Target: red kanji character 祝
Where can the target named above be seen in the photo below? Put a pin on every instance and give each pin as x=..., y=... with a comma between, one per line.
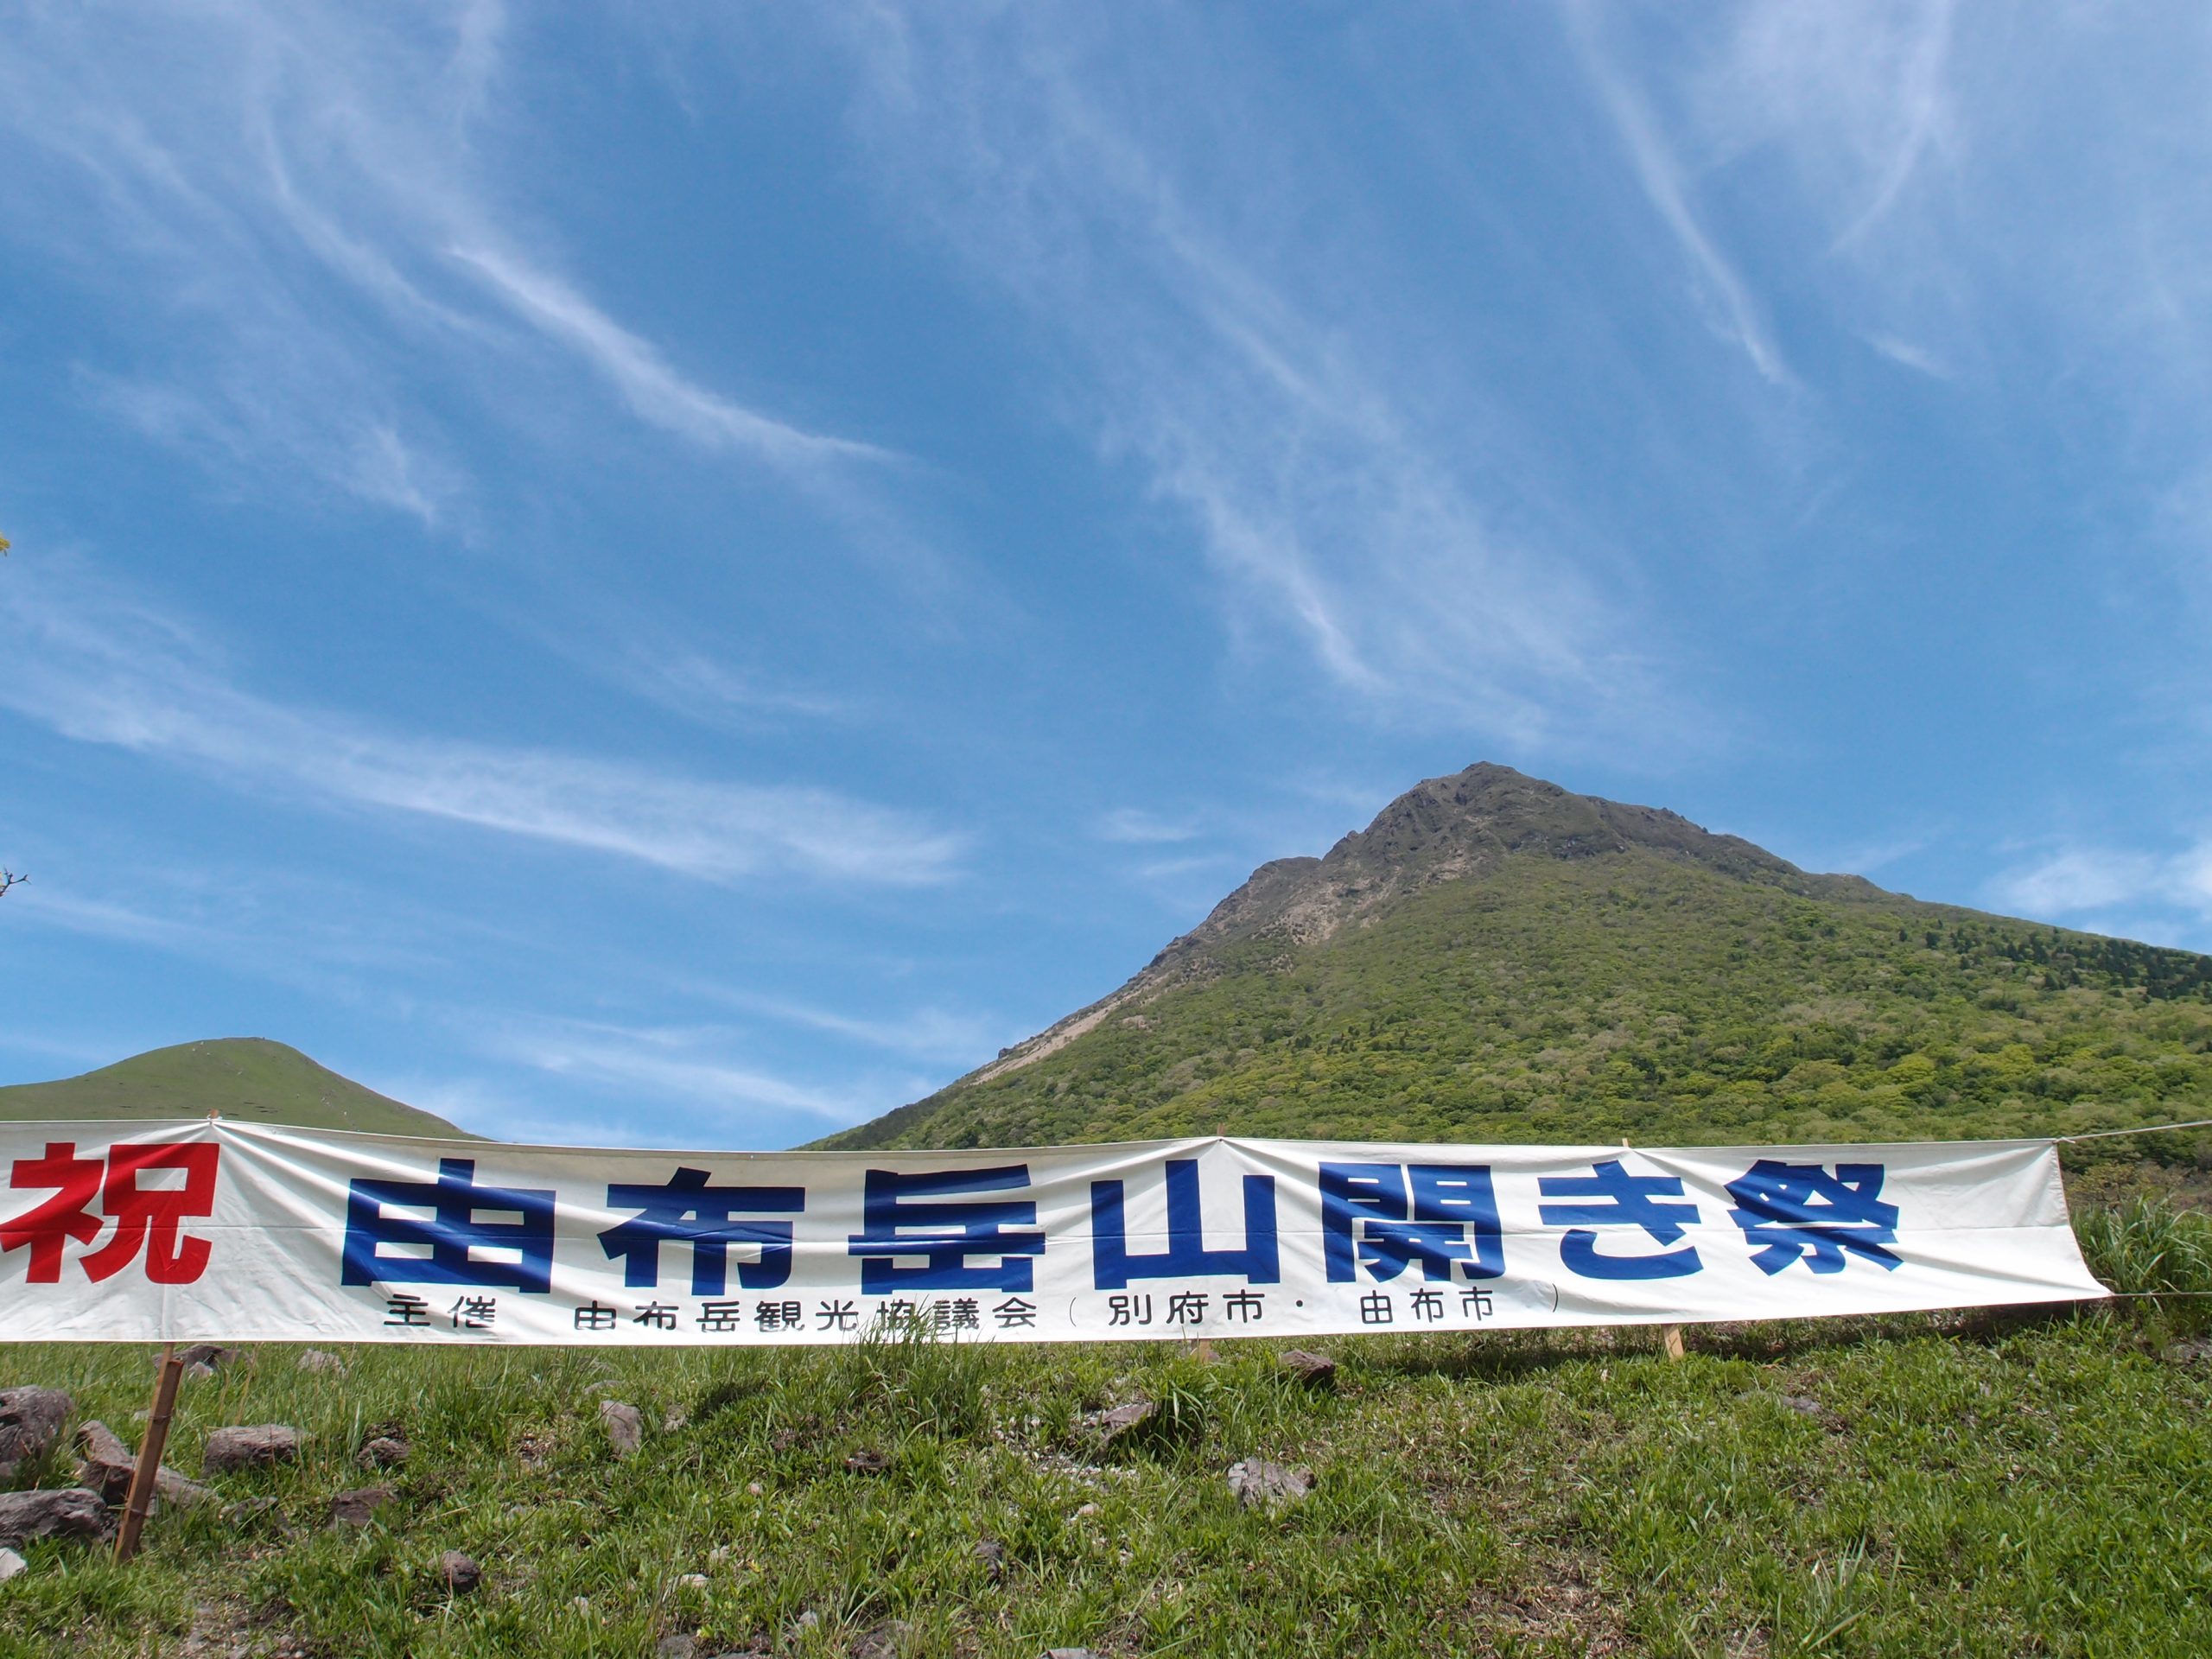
x=68, y=1214
x=150, y=1217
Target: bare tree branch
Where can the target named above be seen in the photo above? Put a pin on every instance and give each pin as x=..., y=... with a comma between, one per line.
x=10, y=879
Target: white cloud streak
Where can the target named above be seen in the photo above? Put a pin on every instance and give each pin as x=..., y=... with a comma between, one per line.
x=121, y=676
x=1661, y=173
x=930, y=1034
x=653, y=390
x=1335, y=509
x=298, y=189
x=1862, y=93
x=690, y=1068
x=1134, y=826
x=2171, y=890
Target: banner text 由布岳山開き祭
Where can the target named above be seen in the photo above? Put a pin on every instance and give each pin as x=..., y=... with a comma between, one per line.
x=214, y=1230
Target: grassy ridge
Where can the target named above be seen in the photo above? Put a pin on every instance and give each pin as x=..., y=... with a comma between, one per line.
x=1628, y=995
x=1902, y=1487
x=248, y=1078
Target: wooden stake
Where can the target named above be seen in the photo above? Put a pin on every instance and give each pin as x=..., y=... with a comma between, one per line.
x=150, y=1449
x=1672, y=1336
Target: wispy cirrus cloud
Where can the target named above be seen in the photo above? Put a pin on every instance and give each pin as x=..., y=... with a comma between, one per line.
x=936, y=1035
x=2165, y=896
x=303, y=189
x=703, y=1072
x=119, y=674
x=1863, y=94
x=654, y=391
x=1337, y=510
x=1659, y=169
x=1134, y=826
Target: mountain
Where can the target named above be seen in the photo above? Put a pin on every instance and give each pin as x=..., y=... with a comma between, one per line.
x=1497, y=959
x=246, y=1078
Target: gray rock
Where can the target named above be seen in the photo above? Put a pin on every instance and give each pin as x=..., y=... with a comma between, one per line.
x=1260, y=1484
x=1125, y=1420
x=316, y=1360
x=625, y=1429
x=358, y=1508
x=461, y=1572
x=893, y=1639
x=1316, y=1371
x=1804, y=1406
x=177, y=1492
x=678, y=1646
x=104, y=1464
x=11, y=1564
x=992, y=1554
x=71, y=1512
x=214, y=1356
x=385, y=1452
x=251, y=1445
x=30, y=1422
x=1071, y=1653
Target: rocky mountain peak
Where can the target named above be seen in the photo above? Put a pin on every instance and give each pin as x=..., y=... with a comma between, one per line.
x=1450, y=829
x=1453, y=828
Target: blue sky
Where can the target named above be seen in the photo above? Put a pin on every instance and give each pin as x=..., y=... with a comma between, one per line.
x=651, y=575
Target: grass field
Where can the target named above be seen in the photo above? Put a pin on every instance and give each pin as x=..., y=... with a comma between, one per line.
x=1966, y=1484
x=246, y=1078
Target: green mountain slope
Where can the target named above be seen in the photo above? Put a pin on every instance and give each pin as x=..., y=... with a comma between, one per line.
x=1497, y=959
x=247, y=1078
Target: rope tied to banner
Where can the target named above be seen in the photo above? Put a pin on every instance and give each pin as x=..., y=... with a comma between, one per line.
x=2147, y=1129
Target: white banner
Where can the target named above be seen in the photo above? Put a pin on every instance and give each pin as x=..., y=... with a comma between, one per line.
x=219, y=1231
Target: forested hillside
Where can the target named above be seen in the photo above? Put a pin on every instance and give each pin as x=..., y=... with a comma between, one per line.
x=1495, y=959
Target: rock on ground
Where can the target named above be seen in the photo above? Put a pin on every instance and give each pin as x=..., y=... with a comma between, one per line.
x=71, y=1512
x=30, y=1422
x=625, y=1429
x=103, y=1463
x=992, y=1554
x=385, y=1451
x=177, y=1491
x=360, y=1507
x=254, y=1446
x=460, y=1572
x=11, y=1564
x=214, y=1356
x=893, y=1639
x=1317, y=1370
x=1260, y=1484
x=315, y=1359
x=1125, y=1420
